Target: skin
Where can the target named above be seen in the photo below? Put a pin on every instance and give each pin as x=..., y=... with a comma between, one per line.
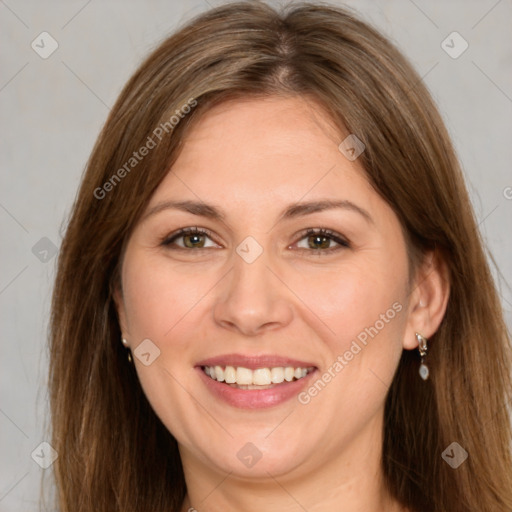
x=252, y=159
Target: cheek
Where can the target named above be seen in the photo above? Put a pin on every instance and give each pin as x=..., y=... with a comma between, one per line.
x=360, y=310
x=349, y=299
x=160, y=305
x=158, y=296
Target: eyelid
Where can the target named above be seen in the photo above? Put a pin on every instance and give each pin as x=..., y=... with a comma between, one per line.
x=195, y=230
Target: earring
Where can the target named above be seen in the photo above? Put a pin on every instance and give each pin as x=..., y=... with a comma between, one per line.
x=422, y=348
x=125, y=343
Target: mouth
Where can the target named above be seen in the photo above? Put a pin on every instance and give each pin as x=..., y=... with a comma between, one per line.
x=255, y=382
x=259, y=378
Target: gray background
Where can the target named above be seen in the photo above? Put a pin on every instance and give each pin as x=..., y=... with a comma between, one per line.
x=52, y=110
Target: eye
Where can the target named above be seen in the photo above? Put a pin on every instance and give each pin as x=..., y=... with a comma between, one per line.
x=321, y=240
x=318, y=240
x=190, y=238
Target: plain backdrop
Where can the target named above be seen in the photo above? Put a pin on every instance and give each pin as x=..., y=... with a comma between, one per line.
x=53, y=108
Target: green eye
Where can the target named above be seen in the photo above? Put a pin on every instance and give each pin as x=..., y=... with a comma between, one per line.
x=193, y=240
x=320, y=240
x=316, y=240
x=189, y=238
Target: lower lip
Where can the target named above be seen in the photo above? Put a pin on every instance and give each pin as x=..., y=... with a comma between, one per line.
x=255, y=398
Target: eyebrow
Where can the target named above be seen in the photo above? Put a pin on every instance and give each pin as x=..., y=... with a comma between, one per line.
x=292, y=211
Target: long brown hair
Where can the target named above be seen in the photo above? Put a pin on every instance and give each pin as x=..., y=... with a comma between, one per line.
x=114, y=452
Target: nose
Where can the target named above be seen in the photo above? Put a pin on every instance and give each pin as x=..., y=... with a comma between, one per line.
x=253, y=299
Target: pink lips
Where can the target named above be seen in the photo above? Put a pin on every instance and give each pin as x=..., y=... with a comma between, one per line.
x=255, y=398
x=253, y=362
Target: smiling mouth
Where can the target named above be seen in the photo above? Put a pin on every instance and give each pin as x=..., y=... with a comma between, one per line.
x=259, y=378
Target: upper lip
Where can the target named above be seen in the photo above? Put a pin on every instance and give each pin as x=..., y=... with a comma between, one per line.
x=255, y=361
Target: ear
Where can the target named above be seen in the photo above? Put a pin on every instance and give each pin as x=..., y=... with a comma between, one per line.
x=428, y=299
x=117, y=295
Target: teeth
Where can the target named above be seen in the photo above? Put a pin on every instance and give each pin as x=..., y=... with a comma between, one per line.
x=261, y=377
x=243, y=376
x=229, y=375
x=252, y=379
x=219, y=374
x=277, y=375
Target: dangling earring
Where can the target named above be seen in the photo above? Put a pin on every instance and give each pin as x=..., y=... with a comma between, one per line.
x=125, y=343
x=422, y=348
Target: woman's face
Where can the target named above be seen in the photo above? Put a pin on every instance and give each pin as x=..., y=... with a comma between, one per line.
x=260, y=292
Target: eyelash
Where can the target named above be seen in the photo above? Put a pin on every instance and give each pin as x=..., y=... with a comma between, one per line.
x=327, y=233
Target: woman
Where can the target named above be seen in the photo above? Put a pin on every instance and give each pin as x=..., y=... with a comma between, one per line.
x=272, y=293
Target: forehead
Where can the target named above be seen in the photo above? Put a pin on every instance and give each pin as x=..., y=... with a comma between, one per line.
x=269, y=150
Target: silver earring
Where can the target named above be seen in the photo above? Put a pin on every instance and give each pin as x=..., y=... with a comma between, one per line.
x=423, y=349
x=125, y=343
